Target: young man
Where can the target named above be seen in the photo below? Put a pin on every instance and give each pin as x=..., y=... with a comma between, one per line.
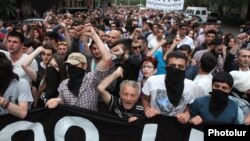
x=217, y=107
x=127, y=106
x=204, y=78
x=15, y=92
x=169, y=94
x=14, y=47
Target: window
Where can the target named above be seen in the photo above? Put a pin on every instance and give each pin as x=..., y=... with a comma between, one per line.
x=198, y=12
x=203, y=12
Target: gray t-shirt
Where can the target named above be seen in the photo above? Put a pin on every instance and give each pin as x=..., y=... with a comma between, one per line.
x=16, y=92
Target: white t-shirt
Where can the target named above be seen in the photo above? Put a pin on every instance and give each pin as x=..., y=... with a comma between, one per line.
x=16, y=92
x=17, y=66
x=205, y=82
x=155, y=87
x=187, y=41
x=154, y=43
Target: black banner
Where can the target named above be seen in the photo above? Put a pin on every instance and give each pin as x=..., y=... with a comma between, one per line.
x=75, y=124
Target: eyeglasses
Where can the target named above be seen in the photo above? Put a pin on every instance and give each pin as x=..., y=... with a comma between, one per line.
x=147, y=66
x=181, y=67
x=136, y=47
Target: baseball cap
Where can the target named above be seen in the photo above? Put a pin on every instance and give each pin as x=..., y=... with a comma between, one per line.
x=75, y=58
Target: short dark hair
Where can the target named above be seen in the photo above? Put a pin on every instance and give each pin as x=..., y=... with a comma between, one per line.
x=6, y=68
x=223, y=77
x=16, y=34
x=183, y=25
x=185, y=47
x=50, y=47
x=52, y=35
x=217, y=41
x=211, y=31
x=208, y=62
x=176, y=54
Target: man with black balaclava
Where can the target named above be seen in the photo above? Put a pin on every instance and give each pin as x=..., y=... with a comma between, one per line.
x=80, y=89
x=15, y=93
x=169, y=94
x=217, y=107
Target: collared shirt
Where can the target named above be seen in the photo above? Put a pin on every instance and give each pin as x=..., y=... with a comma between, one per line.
x=88, y=95
x=115, y=107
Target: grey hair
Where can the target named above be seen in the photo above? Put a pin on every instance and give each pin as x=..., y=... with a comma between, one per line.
x=130, y=83
x=238, y=51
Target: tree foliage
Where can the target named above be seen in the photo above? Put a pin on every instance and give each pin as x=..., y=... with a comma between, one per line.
x=7, y=10
x=42, y=6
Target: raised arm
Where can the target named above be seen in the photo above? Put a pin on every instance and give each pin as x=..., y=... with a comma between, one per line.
x=174, y=44
x=152, y=51
x=27, y=62
x=106, y=96
x=106, y=61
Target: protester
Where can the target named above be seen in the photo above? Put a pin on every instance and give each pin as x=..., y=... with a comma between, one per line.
x=241, y=92
x=47, y=80
x=80, y=88
x=15, y=92
x=14, y=47
x=169, y=94
x=204, y=78
x=216, y=107
x=127, y=106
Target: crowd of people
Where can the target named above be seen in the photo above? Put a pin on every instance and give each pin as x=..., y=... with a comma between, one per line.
x=127, y=62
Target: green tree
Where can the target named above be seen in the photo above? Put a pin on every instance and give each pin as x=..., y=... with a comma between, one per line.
x=42, y=6
x=7, y=10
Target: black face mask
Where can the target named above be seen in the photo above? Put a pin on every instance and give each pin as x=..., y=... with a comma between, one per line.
x=76, y=75
x=53, y=79
x=174, y=83
x=218, y=102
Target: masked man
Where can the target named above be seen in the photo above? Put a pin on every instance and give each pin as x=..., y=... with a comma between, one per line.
x=217, y=107
x=80, y=89
x=169, y=94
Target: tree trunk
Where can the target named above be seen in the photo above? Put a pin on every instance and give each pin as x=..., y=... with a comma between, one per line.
x=248, y=12
x=244, y=10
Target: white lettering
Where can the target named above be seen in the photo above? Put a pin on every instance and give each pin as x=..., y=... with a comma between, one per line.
x=66, y=122
x=149, y=132
x=37, y=128
x=210, y=131
x=235, y=132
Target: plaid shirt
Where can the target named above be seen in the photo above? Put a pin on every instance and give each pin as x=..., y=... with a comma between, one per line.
x=88, y=95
